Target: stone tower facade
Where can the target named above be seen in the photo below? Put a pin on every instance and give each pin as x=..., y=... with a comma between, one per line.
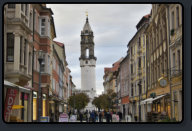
x=88, y=63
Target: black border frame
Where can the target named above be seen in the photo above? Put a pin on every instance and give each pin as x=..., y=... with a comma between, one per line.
x=183, y=75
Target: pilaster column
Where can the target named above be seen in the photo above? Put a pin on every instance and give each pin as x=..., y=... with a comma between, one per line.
x=17, y=10
x=16, y=51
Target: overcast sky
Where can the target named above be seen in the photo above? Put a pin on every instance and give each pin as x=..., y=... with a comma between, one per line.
x=113, y=26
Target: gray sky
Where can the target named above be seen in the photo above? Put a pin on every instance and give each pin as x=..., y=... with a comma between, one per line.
x=113, y=26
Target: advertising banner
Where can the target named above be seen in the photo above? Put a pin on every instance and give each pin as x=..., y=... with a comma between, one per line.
x=73, y=118
x=63, y=117
x=9, y=101
x=44, y=119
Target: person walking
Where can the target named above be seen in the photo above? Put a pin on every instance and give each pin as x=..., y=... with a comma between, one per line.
x=108, y=116
x=80, y=116
x=88, y=116
x=96, y=116
x=100, y=117
x=120, y=116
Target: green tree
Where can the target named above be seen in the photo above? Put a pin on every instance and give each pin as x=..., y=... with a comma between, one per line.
x=105, y=101
x=78, y=101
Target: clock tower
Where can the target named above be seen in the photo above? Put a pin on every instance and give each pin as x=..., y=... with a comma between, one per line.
x=88, y=63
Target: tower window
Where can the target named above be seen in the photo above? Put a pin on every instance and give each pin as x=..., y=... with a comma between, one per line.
x=87, y=53
x=86, y=62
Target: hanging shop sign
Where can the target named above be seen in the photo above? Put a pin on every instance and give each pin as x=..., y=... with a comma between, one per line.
x=9, y=101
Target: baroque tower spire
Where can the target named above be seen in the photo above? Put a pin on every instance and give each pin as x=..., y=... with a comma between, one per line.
x=88, y=63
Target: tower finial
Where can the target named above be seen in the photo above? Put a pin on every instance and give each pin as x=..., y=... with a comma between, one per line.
x=86, y=12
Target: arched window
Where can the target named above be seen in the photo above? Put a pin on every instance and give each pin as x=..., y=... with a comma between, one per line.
x=87, y=53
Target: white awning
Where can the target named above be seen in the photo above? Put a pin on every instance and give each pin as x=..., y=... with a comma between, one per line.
x=9, y=84
x=150, y=100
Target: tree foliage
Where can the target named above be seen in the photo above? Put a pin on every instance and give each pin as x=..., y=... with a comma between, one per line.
x=105, y=101
x=78, y=101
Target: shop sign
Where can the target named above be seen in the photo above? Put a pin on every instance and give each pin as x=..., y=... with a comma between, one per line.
x=44, y=119
x=63, y=117
x=9, y=101
x=73, y=118
x=115, y=118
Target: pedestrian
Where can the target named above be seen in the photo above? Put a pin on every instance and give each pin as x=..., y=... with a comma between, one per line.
x=80, y=116
x=69, y=114
x=120, y=116
x=108, y=116
x=88, y=116
x=93, y=116
x=96, y=116
x=111, y=113
x=100, y=116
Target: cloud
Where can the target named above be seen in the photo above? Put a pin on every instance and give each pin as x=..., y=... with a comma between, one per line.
x=113, y=25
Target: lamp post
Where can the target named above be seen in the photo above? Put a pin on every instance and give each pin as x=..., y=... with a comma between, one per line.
x=139, y=84
x=40, y=59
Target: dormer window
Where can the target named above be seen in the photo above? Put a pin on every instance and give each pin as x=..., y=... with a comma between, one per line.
x=11, y=6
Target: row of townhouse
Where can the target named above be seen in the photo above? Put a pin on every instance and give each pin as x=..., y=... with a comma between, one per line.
x=149, y=78
x=28, y=30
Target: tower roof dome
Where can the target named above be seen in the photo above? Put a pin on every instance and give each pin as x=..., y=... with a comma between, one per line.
x=87, y=26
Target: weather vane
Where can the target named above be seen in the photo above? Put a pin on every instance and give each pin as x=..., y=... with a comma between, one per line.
x=86, y=12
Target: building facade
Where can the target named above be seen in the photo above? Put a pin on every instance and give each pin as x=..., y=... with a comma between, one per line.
x=164, y=41
x=28, y=29
x=18, y=49
x=175, y=48
x=44, y=33
x=137, y=73
x=124, y=85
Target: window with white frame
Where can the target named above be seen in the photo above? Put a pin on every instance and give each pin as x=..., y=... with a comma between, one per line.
x=21, y=49
x=177, y=16
x=26, y=9
x=25, y=51
x=48, y=64
x=172, y=20
x=10, y=47
x=48, y=28
x=179, y=60
x=22, y=7
x=53, y=86
x=43, y=63
x=42, y=26
x=173, y=60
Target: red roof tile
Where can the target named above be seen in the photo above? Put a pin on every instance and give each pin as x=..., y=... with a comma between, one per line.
x=59, y=43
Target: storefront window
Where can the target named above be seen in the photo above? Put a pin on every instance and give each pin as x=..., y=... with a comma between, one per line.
x=175, y=106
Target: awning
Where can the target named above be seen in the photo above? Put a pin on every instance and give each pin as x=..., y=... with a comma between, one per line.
x=22, y=89
x=17, y=106
x=150, y=100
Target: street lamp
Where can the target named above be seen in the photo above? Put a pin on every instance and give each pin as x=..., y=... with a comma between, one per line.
x=40, y=59
x=139, y=84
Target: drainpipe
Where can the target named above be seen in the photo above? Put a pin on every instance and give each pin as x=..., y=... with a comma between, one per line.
x=169, y=57
x=146, y=71
x=32, y=65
